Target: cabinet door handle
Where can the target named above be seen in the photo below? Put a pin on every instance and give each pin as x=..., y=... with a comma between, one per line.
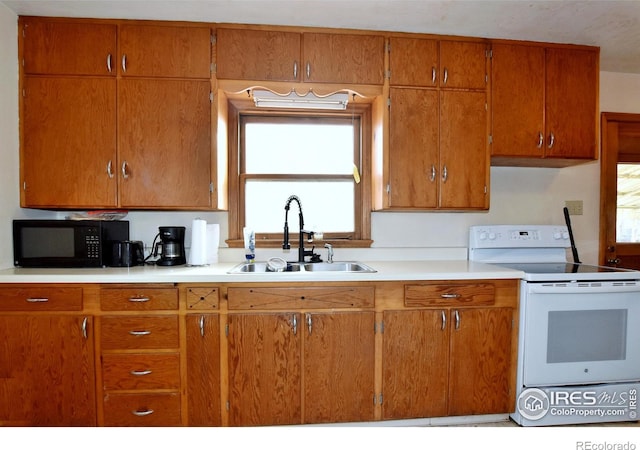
x=456, y=314
x=37, y=300
x=139, y=299
x=85, y=322
x=308, y=70
x=201, y=325
x=124, y=63
x=140, y=373
x=294, y=323
x=540, y=139
x=434, y=75
x=446, y=75
x=110, y=169
x=295, y=70
x=444, y=319
x=139, y=332
x=146, y=412
x=109, y=62
x=432, y=177
x=552, y=140
x=125, y=170
x=444, y=174
x=309, y=323
x=450, y=295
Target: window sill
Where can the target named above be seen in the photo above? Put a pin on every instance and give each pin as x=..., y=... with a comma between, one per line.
x=277, y=243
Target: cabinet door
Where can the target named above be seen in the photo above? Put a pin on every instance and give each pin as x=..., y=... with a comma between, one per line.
x=258, y=55
x=464, y=152
x=518, y=100
x=264, y=369
x=480, y=361
x=165, y=51
x=415, y=364
x=338, y=367
x=47, y=375
x=413, y=62
x=203, y=369
x=413, y=148
x=164, y=143
x=572, y=87
x=463, y=65
x=69, y=142
x=343, y=58
x=63, y=48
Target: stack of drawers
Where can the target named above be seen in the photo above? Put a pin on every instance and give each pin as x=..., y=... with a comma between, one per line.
x=140, y=356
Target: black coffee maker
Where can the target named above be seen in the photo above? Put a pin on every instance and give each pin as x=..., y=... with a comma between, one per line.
x=172, y=242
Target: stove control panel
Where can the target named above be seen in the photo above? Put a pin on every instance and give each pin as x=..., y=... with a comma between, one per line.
x=519, y=236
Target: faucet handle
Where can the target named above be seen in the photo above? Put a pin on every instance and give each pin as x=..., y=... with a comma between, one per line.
x=329, y=248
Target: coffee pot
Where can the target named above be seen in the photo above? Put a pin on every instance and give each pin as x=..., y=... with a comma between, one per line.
x=172, y=243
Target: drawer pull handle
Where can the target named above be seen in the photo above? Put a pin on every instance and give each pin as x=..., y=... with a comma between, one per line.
x=146, y=412
x=139, y=333
x=140, y=373
x=139, y=299
x=37, y=299
x=450, y=295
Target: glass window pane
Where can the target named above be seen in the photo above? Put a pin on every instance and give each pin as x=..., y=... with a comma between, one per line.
x=628, y=203
x=299, y=148
x=327, y=206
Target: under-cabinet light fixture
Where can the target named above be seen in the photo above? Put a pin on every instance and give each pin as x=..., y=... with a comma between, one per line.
x=268, y=99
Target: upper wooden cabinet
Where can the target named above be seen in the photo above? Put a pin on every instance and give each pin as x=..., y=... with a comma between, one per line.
x=429, y=63
x=68, y=48
x=544, y=105
x=165, y=51
x=307, y=57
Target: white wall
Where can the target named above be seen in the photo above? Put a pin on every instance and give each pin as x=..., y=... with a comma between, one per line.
x=518, y=195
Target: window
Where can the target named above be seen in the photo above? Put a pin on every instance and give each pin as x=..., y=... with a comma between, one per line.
x=628, y=203
x=319, y=157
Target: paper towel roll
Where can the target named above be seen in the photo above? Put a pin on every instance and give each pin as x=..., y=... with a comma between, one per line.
x=198, y=252
x=213, y=242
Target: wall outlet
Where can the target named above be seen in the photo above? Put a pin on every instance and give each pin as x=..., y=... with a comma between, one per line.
x=574, y=207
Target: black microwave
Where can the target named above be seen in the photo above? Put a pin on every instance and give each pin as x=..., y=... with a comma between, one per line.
x=66, y=243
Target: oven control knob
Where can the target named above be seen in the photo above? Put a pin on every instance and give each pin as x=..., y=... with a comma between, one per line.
x=565, y=235
x=492, y=236
x=557, y=235
x=483, y=235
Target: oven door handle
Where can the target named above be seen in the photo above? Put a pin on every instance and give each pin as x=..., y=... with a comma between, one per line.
x=584, y=288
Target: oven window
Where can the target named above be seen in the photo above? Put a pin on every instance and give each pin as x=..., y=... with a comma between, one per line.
x=587, y=335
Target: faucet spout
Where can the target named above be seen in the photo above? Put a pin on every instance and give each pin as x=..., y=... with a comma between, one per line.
x=302, y=253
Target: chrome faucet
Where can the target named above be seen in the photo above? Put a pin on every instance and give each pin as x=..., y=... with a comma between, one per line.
x=329, y=248
x=302, y=253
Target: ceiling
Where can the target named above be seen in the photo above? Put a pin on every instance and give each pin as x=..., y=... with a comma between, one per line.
x=612, y=25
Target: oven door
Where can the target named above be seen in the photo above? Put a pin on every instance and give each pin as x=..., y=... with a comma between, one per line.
x=580, y=333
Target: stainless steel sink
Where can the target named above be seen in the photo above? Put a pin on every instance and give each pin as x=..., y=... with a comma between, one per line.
x=338, y=266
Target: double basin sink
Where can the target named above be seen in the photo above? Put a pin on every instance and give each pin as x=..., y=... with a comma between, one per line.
x=338, y=266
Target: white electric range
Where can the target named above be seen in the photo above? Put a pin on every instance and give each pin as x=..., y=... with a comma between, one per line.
x=579, y=328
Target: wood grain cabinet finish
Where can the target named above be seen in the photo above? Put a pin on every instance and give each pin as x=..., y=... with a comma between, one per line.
x=438, y=155
x=298, y=298
x=273, y=381
x=47, y=375
x=271, y=55
x=141, y=371
x=40, y=298
x=138, y=298
x=139, y=332
x=142, y=410
x=544, y=105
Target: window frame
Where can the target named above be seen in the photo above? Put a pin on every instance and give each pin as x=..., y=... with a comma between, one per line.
x=237, y=109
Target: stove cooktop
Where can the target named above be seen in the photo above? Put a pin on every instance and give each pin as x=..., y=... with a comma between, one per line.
x=566, y=271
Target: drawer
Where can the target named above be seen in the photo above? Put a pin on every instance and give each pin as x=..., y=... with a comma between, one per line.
x=139, y=332
x=141, y=371
x=142, y=410
x=301, y=297
x=41, y=298
x=138, y=299
x=449, y=294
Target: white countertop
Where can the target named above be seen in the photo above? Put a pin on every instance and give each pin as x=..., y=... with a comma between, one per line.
x=217, y=273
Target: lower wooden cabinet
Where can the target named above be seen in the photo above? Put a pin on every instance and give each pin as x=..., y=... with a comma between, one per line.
x=273, y=381
x=47, y=375
x=142, y=410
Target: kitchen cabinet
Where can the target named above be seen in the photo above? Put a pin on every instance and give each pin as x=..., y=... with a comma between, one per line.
x=272, y=55
x=438, y=154
x=47, y=375
x=140, y=357
x=203, y=357
x=449, y=353
x=296, y=365
x=544, y=105
x=146, y=119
